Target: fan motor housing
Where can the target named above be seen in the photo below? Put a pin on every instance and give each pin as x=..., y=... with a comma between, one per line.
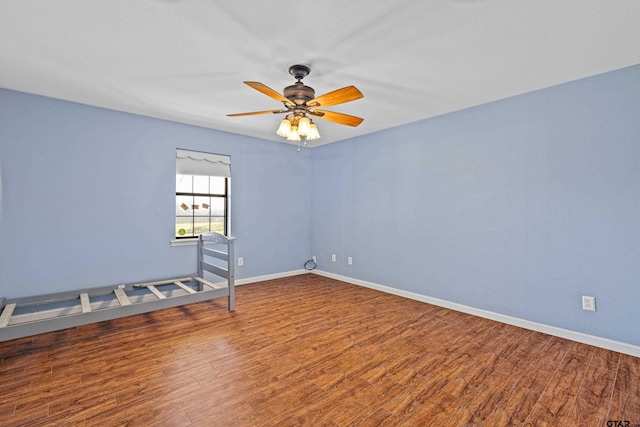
x=299, y=93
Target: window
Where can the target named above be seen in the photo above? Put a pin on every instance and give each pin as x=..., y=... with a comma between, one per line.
x=202, y=194
x=201, y=205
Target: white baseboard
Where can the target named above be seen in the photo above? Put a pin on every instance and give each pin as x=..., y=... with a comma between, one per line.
x=248, y=280
x=606, y=343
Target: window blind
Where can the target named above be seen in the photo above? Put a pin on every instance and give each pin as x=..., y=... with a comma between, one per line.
x=204, y=164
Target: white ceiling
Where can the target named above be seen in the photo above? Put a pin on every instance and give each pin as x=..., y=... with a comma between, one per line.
x=185, y=60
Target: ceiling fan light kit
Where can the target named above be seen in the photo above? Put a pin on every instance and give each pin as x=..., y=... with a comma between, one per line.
x=300, y=101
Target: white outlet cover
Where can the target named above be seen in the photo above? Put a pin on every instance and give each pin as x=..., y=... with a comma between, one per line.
x=588, y=303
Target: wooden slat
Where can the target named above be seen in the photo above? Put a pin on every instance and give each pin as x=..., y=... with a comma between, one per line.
x=216, y=254
x=156, y=292
x=162, y=282
x=6, y=315
x=208, y=283
x=185, y=287
x=123, y=299
x=84, y=301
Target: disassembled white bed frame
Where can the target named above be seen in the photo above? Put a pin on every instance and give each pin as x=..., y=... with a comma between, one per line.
x=23, y=317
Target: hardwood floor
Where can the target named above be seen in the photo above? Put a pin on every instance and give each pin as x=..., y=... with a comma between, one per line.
x=312, y=351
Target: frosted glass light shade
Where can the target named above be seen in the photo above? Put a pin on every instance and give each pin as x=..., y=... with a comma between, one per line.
x=304, y=125
x=285, y=128
x=294, y=136
x=313, y=132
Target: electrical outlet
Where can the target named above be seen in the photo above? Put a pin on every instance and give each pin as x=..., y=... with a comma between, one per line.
x=333, y=257
x=240, y=261
x=349, y=260
x=588, y=303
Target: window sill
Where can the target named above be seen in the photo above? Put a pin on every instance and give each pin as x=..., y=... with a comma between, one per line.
x=184, y=242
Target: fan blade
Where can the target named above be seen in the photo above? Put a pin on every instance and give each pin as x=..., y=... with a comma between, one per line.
x=340, y=96
x=269, y=92
x=343, y=119
x=253, y=113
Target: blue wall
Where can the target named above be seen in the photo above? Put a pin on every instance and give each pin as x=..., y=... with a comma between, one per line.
x=87, y=197
x=518, y=207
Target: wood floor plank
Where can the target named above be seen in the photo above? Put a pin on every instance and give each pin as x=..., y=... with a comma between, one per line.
x=308, y=350
x=624, y=407
x=379, y=418
x=605, y=359
x=594, y=398
x=554, y=352
x=34, y=416
x=628, y=376
x=535, y=378
x=7, y=409
x=514, y=408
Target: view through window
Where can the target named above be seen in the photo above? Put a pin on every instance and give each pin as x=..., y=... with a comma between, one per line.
x=201, y=205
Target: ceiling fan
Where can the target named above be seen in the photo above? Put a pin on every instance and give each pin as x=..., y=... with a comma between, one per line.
x=300, y=102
